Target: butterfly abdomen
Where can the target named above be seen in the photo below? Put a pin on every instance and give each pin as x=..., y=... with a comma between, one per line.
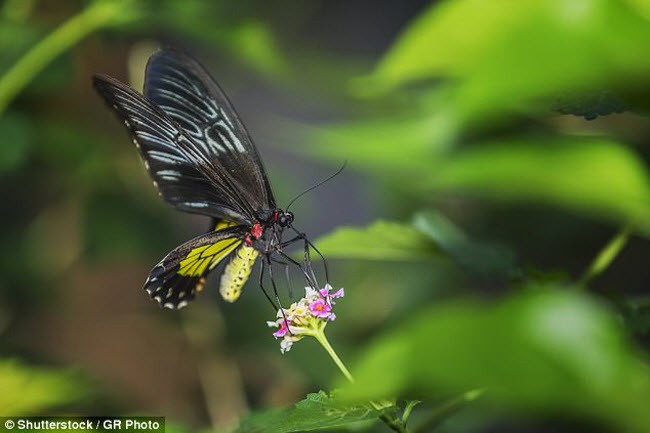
x=236, y=272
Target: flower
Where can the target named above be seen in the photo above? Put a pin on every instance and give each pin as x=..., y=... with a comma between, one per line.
x=320, y=309
x=307, y=317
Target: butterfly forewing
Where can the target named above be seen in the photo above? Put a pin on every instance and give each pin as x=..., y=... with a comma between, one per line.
x=170, y=156
x=179, y=86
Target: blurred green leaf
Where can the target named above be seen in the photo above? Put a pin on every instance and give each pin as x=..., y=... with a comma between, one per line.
x=636, y=312
x=98, y=14
x=389, y=145
x=16, y=132
x=642, y=7
x=254, y=43
x=29, y=390
x=545, y=350
x=247, y=39
x=382, y=240
x=316, y=412
x=594, y=176
x=519, y=52
x=430, y=236
x=482, y=258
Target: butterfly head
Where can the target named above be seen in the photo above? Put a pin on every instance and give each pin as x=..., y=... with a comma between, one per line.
x=283, y=218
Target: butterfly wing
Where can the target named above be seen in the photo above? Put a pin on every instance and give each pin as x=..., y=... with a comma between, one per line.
x=183, y=174
x=175, y=280
x=183, y=89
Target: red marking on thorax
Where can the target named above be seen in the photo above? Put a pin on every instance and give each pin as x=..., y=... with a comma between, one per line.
x=257, y=231
x=276, y=215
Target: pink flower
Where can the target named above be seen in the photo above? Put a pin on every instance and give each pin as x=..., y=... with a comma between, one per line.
x=320, y=308
x=307, y=317
x=283, y=329
x=325, y=294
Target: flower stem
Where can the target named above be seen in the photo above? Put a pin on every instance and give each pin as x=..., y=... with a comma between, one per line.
x=322, y=339
x=97, y=15
x=394, y=424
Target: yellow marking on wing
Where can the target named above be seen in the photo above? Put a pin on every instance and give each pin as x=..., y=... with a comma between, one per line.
x=200, y=258
x=196, y=251
x=223, y=224
x=218, y=247
x=236, y=273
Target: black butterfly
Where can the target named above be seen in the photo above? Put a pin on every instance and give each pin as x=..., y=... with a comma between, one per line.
x=202, y=160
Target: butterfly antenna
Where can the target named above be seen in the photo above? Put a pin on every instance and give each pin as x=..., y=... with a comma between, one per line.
x=330, y=177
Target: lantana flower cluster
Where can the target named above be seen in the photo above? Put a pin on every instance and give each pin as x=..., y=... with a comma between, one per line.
x=307, y=317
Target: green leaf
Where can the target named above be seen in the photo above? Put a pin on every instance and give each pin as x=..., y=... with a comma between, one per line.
x=390, y=145
x=316, y=412
x=29, y=390
x=249, y=40
x=382, y=240
x=542, y=351
x=519, y=52
x=478, y=257
x=593, y=176
x=255, y=43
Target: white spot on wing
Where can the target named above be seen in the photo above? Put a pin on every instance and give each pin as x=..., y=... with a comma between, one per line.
x=195, y=204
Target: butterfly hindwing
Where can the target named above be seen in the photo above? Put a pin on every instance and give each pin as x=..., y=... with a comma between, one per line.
x=180, y=172
x=184, y=90
x=175, y=280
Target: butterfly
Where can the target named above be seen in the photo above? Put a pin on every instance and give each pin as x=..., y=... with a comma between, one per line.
x=202, y=160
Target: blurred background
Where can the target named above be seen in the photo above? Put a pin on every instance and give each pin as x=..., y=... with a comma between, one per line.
x=496, y=184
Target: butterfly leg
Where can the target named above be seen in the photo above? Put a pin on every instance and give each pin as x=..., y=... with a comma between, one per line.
x=286, y=273
x=309, y=244
x=275, y=291
x=261, y=284
x=300, y=266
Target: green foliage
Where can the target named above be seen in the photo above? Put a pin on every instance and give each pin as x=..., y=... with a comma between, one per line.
x=517, y=53
x=478, y=257
x=517, y=59
x=546, y=350
x=383, y=240
x=249, y=40
x=597, y=177
x=378, y=145
x=593, y=176
x=431, y=236
x=99, y=14
x=316, y=412
x=29, y=390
